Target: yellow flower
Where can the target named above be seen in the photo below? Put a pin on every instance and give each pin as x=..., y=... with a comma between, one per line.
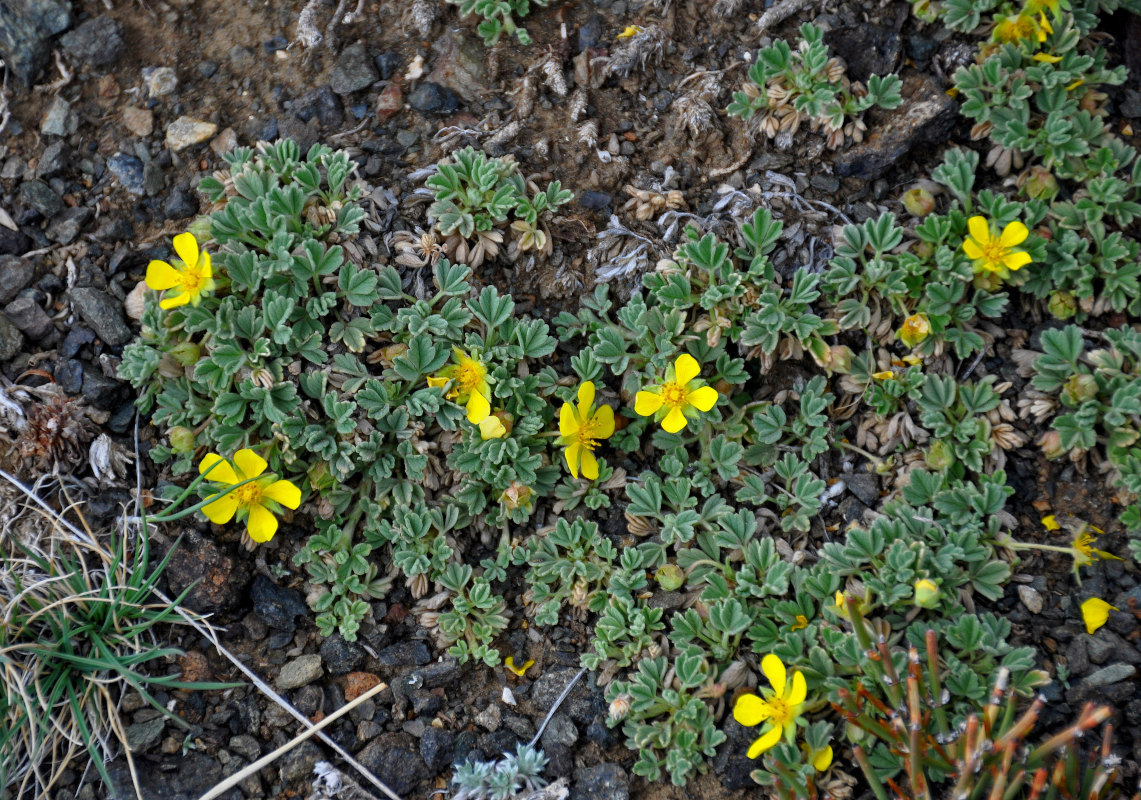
x=256, y=501
x=780, y=708
x=492, y=427
x=1039, y=6
x=926, y=593
x=581, y=429
x=886, y=375
x=1086, y=553
x=1095, y=613
x=801, y=623
x=914, y=330
x=190, y=280
x=467, y=379
x=1048, y=58
x=1050, y=523
x=1075, y=84
x=675, y=399
x=509, y=662
x=630, y=30
x=996, y=253
x=1011, y=30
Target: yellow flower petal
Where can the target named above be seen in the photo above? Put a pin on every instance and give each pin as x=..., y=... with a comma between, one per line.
x=822, y=759
x=509, y=663
x=187, y=248
x=750, y=710
x=249, y=463
x=766, y=742
x=478, y=408
x=674, y=421
x=1016, y=259
x=492, y=428
x=630, y=30
x=222, y=473
x=972, y=249
x=437, y=381
x=886, y=375
x=262, y=524
x=703, y=399
x=980, y=230
x=1014, y=234
x=585, y=398
x=573, y=454
x=1095, y=613
x=799, y=689
x=603, y=422
x=1049, y=59
x=647, y=403
x=205, y=270
x=221, y=510
x=773, y=668
x=162, y=276
x=283, y=492
x=568, y=420
x=1050, y=523
x=174, y=302
x=686, y=368
x=589, y=465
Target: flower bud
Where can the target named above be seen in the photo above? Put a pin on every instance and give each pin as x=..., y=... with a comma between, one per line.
x=186, y=353
x=926, y=593
x=200, y=229
x=1041, y=184
x=1079, y=388
x=925, y=250
x=919, y=202
x=181, y=439
x=320, y=476
x=1062, y=305
x=517, y=495
x=670, y=577
x=939, y=456
x=1051, y=444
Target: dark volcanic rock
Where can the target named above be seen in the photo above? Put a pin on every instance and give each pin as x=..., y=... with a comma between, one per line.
x=106, y=394
x=217, y=578
x=128, y=170
x=180, y=204
x=68, y=225
x=341, y=657
x=276, y=606
x=41, y=197
x=25, y=30
x=103, y=313
x=603, y=782
x=181, y=777
x=405, y=654
x=27, y=315
x=925, y=117
x=866, y=49
x=393, y=758
x=437, y=746
x=432, y=98
x=13, y=243
x=15, y=274
x=354, y=70
x=98, y=42
x=11, y=340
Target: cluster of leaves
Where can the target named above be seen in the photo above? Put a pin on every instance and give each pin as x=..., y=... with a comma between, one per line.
x=498, y=17
x=1046, y=121
x=1100, y=391
x=499, y=780
x=788, y=87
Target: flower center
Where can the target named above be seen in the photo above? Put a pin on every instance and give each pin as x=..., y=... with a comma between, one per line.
x=192, y=279
x=248, y=495
x=994, y=252
x=587, y=435
x=782, y=712
x=468, y=376
x=673, y=394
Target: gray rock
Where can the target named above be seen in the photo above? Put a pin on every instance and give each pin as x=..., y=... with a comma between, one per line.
x=432, y=98
x=864, y=486
x=412, y=653
x=1077, y=656
x=594, y=200
x=590, y=34
x=13, y=243
x=308, y=699
x=459, y=64
x=437, y=674
x=142, y=735
x=388, y=63
x=560, y=730
x=68, y=225
x=354, y=70
x=1110, y=674
x=1106, y=645
x=15, y=274
x=180, y=204
x=603, y=782
x=925, y=117
x=426, y=704
x=26, y=29
x=341, y=657
x=53, y=160
x=866, y=49
x=98, y=42
x=1131, y=105
x=69, y=375
x=115, y=230
x=297, y=765
x=57, y=119
x=77, y=336
x=41, y=197
x=215, y=579
x=1104, y=681
x=393, y=758
x=160, y=81
x=11, y=340
x=300, y=671
x=437, y=746
x=581, y=705
x=128, y=170
x=154, y=181
x=106, y=394
x=25, y=313
x=321, y=103
x=186, y=132
x=276, y=606
x=490, y=717
x=407, y=138
x=103, y=313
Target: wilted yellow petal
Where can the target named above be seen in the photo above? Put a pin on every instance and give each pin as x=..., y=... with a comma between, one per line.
x=509, y=663
x=1050, y=523
x=1095, y=613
